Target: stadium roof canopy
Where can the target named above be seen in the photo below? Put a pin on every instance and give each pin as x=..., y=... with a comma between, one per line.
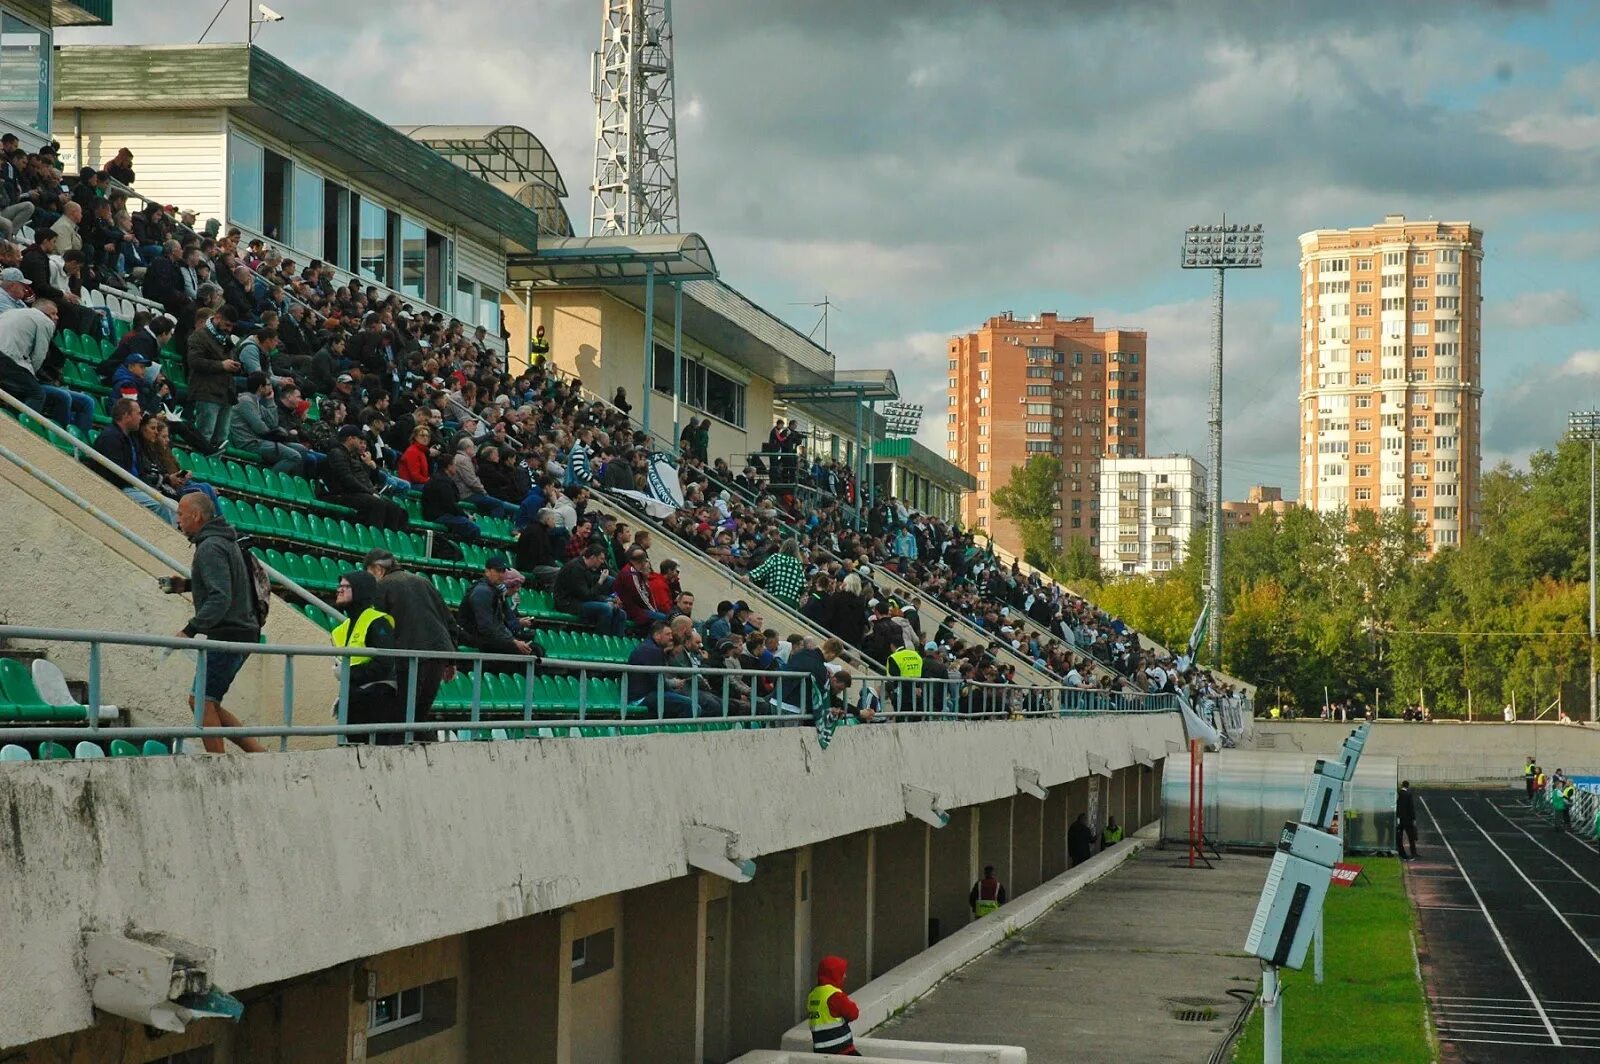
x=271, y=96
x=510, y=158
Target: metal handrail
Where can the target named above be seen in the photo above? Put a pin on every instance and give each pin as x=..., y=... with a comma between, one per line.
x=83, y=450
x=923, y=697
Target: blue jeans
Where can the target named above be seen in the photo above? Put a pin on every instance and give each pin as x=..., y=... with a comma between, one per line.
x=149, y=502
x=672, y=704
x=283, y=457
x=461, y=527
x=493, y=506
x=221, y=668
x=211, y=420
x=603, y=617
x=68, y=407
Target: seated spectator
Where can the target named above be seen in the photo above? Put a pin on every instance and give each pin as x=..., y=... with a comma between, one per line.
x=416, y=461
x=463, y=469
x=633, y=591
x=647, y=684
x=536, y=549
x=119, y=444
x=582, y=589
x=353, y=480
x=441, y=503
x=482, y=617
x=160, y=466
x=255, y=428
x=664, y=585
x=24, y=345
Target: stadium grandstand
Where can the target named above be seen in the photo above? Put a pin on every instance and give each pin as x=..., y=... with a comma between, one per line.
x=574, y=624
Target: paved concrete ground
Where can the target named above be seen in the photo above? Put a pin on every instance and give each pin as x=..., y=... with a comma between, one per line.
x=1510, y=943
x=1100, y=977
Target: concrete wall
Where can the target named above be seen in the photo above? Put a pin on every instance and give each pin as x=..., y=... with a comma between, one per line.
x=281, y=862
x=1447, y=751
x=55, y=554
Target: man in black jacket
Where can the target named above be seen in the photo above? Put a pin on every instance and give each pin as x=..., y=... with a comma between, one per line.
x=1405, y=821
x=441, y=502
x=422, y=621
x=163, y=283
x=1080, y=840
x=483, y=622
x=349, y=474
x=582, y=589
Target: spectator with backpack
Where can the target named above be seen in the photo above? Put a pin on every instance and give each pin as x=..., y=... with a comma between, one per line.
x=230, y=605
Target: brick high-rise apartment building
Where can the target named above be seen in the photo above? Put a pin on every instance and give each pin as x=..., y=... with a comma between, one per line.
x=1024, y=386
x=1390, y=381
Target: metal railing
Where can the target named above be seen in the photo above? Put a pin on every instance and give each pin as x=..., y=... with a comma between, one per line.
x=126, y=480
x=774, y=697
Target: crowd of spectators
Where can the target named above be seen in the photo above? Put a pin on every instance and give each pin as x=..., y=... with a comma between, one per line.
x=374, y=399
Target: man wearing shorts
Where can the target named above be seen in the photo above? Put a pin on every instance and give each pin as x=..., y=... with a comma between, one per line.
x=223, y=609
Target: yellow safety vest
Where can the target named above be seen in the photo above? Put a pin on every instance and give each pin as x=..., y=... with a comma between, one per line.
x=1527, y=770
x=1114, y=834
x=344, y=636
x=829, y=1033
x=910, y=663
x=986, y=906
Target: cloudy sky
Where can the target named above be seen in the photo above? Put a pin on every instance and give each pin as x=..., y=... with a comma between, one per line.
x=927, y=163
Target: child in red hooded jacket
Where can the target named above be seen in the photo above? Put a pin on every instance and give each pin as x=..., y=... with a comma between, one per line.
x=829, y=1011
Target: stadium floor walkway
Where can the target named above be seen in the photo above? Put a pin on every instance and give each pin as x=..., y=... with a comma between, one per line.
x=1510, y=915
x=1100, y=978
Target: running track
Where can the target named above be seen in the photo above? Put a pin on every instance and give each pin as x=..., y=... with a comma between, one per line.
x=1510, y=916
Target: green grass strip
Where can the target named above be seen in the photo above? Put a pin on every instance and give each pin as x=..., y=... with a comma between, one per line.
x=1370, y=1006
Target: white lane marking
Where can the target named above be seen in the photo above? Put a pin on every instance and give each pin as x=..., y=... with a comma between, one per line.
x=1531, y=886
x=1493, y=927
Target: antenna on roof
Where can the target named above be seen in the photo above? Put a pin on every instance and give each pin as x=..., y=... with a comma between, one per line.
x=822, y=323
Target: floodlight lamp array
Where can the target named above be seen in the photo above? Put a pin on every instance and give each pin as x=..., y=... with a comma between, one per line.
x=1219, y=247
x=1584, y=424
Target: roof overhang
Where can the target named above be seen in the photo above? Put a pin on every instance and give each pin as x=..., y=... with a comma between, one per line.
x=581, y=261
x=285, y=104
x=853, y=386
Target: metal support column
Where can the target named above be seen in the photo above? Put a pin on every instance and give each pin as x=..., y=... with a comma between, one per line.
x=527, y=350
x=1215, y=597
x=677, y=361
x=649, y=341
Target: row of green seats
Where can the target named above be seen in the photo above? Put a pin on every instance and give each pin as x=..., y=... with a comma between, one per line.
x=327, y=533
x=250, y=479
x=37, y=427
x=578, y=645
x=20, y=700
x=326, y=621
x=552, y=695
x=80, y=377
x=311, y=573
x=87, y=348
x=84, y=750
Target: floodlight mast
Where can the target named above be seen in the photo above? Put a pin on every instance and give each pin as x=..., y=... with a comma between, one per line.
x=1585, y=425
x=1224, y=247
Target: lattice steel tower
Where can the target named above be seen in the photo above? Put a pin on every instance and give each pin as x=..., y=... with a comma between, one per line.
x=635, y=186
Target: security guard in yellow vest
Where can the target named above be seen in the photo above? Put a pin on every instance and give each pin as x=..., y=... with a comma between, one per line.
x=538, y=349
x=1528, y=771
x=987, y=894
x=1112, y=833
x=374, y=697
x=906, y=662
x=829, y=1011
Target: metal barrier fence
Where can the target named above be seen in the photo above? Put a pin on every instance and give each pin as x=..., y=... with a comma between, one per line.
x=593, y=695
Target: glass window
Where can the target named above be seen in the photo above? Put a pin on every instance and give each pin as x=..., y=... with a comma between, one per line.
x=489, y=309
x=305, y=215
x=24, y=74
x=413, y=260
x=392, y=1011
x=246, y=162
x=374, y=247
x=466, y=307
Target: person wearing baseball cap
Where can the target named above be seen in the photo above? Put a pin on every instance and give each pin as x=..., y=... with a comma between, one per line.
x=17, y=289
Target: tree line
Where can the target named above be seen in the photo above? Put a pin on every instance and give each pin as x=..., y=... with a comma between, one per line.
x=1349, y=607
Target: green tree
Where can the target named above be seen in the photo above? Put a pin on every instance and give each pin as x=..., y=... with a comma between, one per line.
x=1029, y=500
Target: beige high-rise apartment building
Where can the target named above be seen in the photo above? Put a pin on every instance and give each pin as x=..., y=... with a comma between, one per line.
x=1018, y=387
x=1390, y=372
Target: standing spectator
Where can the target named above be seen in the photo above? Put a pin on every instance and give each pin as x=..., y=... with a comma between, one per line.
x=119, y=444
x=224, y=599
x=1080, y=840
x=211, y=368
x=582, y=589
x=1405, y=819
x=782, y=575
x=987, y=894
x=422, y=621
x=352, y=480
x=372, y=682
x=829, y=1011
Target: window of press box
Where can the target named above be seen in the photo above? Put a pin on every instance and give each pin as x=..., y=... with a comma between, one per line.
x=24, y=74
x=704, y=389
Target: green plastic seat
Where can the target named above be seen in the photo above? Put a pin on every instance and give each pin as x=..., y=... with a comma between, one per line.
x=254, y=482
x=54, y=752
x=20, y=700
x=123, y=748
x=154, y=748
